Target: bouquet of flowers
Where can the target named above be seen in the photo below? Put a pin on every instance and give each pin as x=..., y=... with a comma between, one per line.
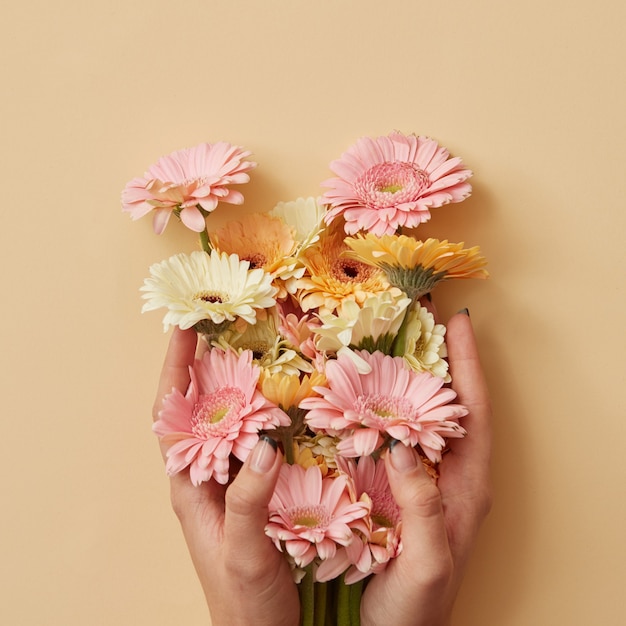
x=319, y=335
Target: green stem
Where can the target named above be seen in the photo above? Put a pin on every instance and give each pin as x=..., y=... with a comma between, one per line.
x=321, y=593
x=343, y=604
x=399, y=345
x=204, y=241
x=355, y=603
x=306, y=589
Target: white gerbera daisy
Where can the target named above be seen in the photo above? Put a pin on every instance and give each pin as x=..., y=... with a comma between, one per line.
x=425, y=345
x=371, y=327
x=199, y=286
x=305, y=216
x=269, y=350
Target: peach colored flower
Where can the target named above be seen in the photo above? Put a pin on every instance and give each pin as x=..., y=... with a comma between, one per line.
x=393, y=181
x=310, y=515
x=221, y=413
x=189, y=183
x=389, y=401
x=266, y=242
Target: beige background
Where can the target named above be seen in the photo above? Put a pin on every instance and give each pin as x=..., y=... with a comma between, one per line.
x=531, y=95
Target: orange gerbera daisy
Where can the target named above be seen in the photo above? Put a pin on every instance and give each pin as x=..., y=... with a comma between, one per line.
x=332, y=277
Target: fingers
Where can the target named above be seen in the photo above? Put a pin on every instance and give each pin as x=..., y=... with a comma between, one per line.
x=464, y=480
x=469, y=383
x=247, y=500
x=424, y=534
x=175, y=371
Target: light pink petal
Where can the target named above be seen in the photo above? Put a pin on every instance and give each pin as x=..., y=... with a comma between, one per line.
x=333, y=567
x=160, y=219
x=193, y=219
x=362, y=443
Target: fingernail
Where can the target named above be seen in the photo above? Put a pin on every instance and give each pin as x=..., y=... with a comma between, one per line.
x=403, y=458
x=464, y=311
x=263, y=455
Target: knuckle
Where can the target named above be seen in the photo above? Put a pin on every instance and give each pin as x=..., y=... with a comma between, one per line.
x=239, y=500
x=186, y=505
x=425, y=500
x=179, y=505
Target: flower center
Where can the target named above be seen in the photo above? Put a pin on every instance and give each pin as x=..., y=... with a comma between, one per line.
x=388, y=184
x=255, y=259
x=380, y=408
x=385, y=511
x=311, y=516
x=216, y=410
x=258, y=348
x=419, y=347
x=211, y=297
x=351, y=271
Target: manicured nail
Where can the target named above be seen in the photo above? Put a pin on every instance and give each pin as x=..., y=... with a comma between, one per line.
x=263, y=455
x=403, y=458
x=464, y=311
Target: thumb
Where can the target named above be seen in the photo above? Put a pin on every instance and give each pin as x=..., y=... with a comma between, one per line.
x=424, y=538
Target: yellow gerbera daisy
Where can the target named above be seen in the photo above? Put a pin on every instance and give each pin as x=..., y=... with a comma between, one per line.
x=288, y=390
x=416, y=266
x=304, y=456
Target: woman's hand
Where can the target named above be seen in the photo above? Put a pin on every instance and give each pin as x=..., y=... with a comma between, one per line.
x=244, y=578
x=439, y=523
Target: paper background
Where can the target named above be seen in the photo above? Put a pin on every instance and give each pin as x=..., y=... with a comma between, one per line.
x=531, y=95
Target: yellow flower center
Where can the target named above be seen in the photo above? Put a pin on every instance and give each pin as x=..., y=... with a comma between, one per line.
x=216, y=411
x=385, y=511
x=380, y=408
x=387, y=184
x=311, y=516
x=391, y=188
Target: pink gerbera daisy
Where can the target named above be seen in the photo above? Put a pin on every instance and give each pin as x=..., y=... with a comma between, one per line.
x=221, y=413
x=311, y=515
x=390, y=400
x=371, y=555
x=389, y=182
x=190, y=183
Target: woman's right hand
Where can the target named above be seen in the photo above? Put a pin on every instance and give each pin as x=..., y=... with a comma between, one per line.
x=439, y=522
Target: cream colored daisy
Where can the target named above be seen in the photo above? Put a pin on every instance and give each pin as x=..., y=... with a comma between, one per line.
x=269, y=349
x=372, y=326
x=416, y=266
x=216, y=287
x=332, y=278
x=425, y=346
x=305, y=216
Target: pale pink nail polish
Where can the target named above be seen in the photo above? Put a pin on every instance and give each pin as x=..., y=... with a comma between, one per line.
x=263, y=455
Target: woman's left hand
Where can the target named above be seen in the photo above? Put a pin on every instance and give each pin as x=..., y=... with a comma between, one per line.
x=245, y=579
